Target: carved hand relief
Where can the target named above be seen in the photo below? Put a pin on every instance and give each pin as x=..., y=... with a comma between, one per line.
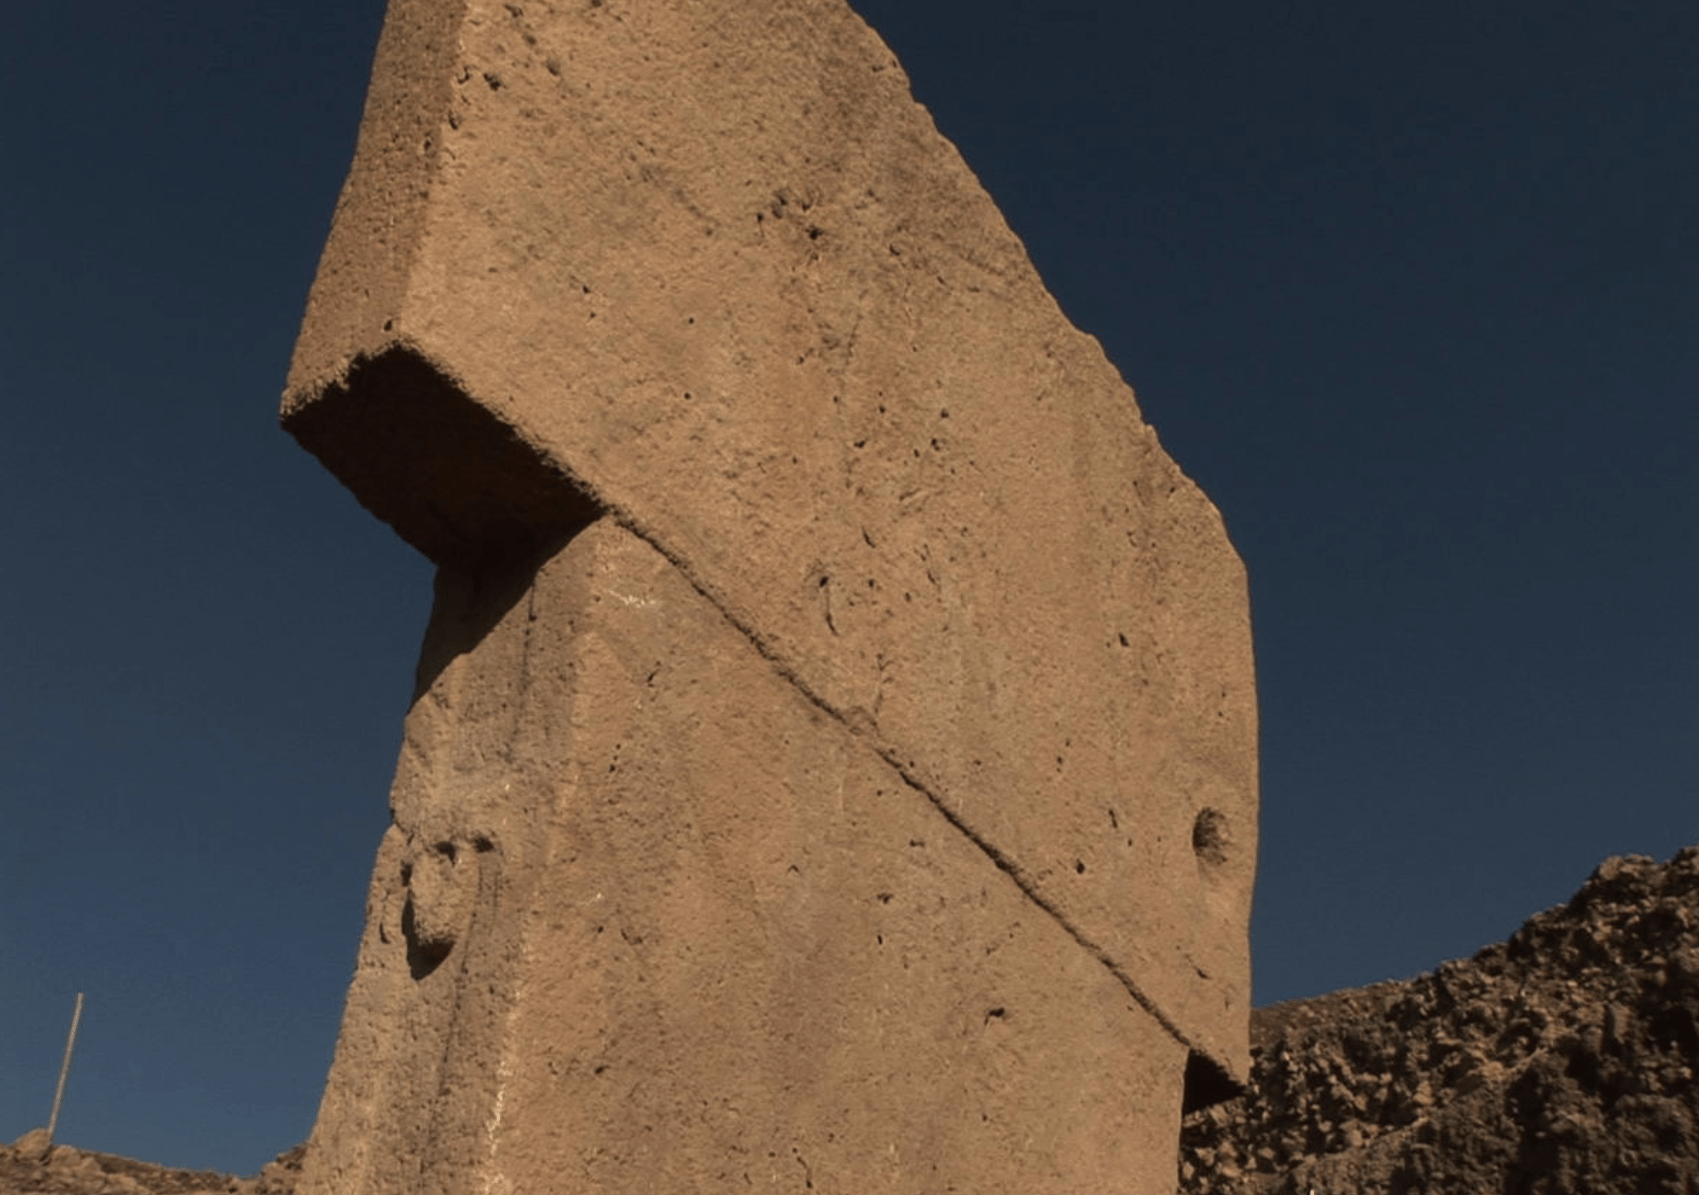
x=441, y=881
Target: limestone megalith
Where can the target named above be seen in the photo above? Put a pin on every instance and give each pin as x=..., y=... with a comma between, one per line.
x=833, y=760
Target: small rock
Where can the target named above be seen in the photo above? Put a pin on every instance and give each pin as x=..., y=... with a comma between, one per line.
x=34, y=1145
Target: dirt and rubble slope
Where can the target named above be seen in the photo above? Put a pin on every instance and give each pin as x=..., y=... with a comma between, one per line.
x=1561, y=1061
x=30, y=1167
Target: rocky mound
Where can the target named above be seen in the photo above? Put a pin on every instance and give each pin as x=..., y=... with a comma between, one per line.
x=30, y=1168
x=1561, y=1061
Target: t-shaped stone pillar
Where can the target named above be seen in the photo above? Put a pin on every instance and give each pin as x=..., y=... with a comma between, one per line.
x=833, y=764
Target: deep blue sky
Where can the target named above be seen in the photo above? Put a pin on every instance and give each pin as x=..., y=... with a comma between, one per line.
x=1412, y=290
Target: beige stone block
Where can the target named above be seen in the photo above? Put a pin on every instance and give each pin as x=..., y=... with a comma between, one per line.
x=649, y=919
x=706, y=269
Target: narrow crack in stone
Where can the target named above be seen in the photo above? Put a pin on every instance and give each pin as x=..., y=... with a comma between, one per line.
x=888, y=754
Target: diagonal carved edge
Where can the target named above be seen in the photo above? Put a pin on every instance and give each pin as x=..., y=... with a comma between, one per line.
x=470, y=492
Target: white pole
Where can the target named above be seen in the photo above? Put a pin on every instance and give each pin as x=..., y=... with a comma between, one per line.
x=64, y=1069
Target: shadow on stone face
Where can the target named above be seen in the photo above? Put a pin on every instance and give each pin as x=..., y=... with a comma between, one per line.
x=453, y=478
x=469, y=602
x=456, y=482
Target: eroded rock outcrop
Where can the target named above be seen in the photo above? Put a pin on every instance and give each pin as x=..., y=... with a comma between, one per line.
x=1562, y=1061
x=30, y=1167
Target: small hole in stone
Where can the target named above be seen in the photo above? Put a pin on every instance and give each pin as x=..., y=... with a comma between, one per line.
x=1079, y=867
x=1210, y=837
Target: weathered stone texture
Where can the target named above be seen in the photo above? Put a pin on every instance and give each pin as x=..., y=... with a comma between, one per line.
x=709, y=939
x=1561, y=1061
x=703, y=278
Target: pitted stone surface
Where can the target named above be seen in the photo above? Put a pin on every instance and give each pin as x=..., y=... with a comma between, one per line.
x=703, y=278
x=711, y=265
x=713, y=940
